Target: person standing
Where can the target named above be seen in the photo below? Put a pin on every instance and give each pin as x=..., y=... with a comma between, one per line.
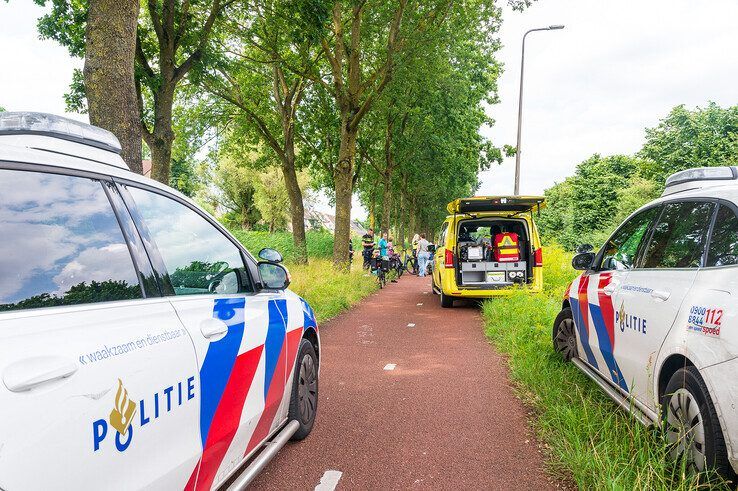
x=383, y=245
x=422, y=255
x=367, y=241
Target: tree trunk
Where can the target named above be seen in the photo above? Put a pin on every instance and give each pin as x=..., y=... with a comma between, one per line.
x=110, y=52
x=343, y=181
x=297, y=210
x=160, y=142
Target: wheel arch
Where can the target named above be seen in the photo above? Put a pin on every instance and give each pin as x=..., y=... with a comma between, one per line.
x=565, y=304
x=311, y=335
x=670, y=365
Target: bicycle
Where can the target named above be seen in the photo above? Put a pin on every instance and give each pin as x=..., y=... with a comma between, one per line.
x=380, y=267
x=410, y=264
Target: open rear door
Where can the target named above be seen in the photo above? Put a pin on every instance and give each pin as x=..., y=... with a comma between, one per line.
x=513, y=204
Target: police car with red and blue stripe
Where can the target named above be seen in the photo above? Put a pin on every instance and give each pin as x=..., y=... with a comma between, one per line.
x=141, y=345
x=652, y=319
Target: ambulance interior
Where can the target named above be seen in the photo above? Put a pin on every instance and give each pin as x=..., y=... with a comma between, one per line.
x=493, y=252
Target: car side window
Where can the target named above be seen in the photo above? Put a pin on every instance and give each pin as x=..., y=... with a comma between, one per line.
x=61, y=243
x=679, y=236
x=198, y=257
x=444, y=232
x=723, y=249
x=621, y=250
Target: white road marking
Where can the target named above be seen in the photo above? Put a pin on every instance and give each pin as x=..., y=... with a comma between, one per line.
x=411, y=325
x=390, y=366
x=329, y=481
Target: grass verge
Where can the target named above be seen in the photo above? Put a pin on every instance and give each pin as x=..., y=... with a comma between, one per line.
x=330, y=292
x=588, y=438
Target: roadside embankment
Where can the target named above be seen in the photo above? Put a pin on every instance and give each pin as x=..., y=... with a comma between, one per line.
x=587, y=437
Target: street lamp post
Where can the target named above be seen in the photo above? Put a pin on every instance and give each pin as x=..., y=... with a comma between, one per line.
x=520, y=103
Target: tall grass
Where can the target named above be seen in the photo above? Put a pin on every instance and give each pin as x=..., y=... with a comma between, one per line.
x=319, y=243
x=588, y=438
x=328, y=291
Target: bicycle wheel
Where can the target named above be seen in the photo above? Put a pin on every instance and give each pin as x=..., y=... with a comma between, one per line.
x=411, y=265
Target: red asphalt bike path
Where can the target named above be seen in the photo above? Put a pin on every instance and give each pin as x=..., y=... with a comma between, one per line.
x=446, y=417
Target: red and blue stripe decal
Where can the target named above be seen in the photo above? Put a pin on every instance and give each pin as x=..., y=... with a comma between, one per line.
x=580, y=310
x=603, y=318
x=279, y=350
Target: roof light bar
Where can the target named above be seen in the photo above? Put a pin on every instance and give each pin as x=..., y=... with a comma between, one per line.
x=32, y=123
x=702, y=174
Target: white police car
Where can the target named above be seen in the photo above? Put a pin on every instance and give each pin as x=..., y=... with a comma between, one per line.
x=141, y=346
x=653, y=317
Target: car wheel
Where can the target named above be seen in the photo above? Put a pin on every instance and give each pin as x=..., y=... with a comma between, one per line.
x=446, y=301
x=304, y=401
x=691, y=424
x=564, y=335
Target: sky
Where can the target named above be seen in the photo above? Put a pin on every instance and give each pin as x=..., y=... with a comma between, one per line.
x=614, y=70
x=593, y=87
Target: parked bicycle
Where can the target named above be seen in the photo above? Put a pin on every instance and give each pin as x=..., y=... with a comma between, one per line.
x=410, y=263
x=380, y=266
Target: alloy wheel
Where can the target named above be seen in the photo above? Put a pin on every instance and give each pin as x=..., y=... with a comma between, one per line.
x=566, y=341
x=685, y=429
x=308, y=389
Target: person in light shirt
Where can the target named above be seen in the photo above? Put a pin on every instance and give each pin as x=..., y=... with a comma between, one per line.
x=422, y=255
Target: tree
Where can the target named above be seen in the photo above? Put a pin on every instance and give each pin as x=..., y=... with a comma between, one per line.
x=236, y=182
x=171, y=39
x=362, y=47
x=104, y=32
x=704, y=137
x=255, y=48
x=585, y=206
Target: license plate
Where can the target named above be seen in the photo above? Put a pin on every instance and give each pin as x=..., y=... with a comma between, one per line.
x=495, y=277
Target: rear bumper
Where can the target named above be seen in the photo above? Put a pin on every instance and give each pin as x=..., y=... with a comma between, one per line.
x=450, y=288
x=724, y=393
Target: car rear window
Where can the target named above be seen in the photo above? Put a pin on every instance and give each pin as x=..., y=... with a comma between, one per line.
x=62, y=244
x=679, y=236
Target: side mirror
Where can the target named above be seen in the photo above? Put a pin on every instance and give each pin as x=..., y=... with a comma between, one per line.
x=270, y=255
x=583, y=261
x=274, y=276
x=584, y=248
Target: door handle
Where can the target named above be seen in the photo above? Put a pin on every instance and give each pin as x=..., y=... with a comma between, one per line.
x=609, y=289
x=660, y=294
x=211, y=328
x=26, y=374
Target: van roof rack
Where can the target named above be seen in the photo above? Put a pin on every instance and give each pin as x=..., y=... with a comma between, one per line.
x=43, y=124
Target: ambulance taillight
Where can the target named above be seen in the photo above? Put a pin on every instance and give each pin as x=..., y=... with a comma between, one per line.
x=449, y=259
x=538, y=257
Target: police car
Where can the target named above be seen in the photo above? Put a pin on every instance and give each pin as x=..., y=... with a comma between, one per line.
x=652, y=319
x=141, y=346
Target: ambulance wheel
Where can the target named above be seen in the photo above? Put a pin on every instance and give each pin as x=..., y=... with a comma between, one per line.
x=564, y=335
x=691, y=424
x=304, y=400
x=446, y=301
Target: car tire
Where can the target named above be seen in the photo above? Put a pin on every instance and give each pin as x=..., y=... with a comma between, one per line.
x=690, y=423
x=564, y=335
x=446, y=301
x=304, y=400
